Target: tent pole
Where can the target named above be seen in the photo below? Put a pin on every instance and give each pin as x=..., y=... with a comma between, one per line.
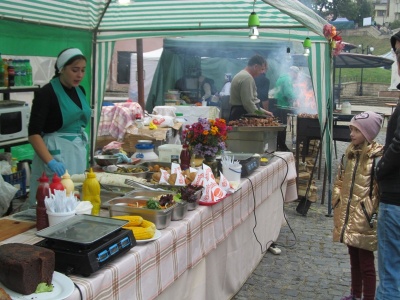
x=93, y=102
x=140, y=72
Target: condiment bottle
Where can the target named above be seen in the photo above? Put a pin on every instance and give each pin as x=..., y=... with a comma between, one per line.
x=185, y=157
x=67, y=183
x=42, y=192
x=56, y=184
x=91, y=191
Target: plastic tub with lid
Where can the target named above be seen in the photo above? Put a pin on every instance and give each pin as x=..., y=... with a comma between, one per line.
x=145, y=152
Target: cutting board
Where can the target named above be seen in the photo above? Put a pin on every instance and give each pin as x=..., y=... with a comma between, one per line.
x=10, y=228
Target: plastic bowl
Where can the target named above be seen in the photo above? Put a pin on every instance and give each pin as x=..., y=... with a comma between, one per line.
x=105, y=160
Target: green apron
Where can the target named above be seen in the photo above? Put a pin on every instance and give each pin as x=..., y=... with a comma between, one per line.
x=68, y=144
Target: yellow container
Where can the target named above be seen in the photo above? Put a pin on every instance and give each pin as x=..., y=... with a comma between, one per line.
x=91, y=191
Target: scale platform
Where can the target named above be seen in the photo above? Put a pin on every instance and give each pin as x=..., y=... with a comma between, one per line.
x=84, y=244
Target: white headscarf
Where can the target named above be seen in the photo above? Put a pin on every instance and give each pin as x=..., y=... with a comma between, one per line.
x=66, y=56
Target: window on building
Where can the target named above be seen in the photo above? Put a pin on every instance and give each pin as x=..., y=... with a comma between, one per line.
x=123, y=67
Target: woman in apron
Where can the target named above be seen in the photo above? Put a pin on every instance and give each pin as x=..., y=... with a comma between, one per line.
x=58, y=119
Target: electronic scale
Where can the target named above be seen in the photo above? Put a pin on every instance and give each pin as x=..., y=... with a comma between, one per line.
x=249, y=162
x=84, y=244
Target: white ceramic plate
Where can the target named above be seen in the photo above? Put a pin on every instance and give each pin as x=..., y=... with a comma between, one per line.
x=63, y=287
x=156, y=236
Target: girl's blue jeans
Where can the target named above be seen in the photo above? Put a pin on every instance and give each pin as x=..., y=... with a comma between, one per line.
x=388, y=252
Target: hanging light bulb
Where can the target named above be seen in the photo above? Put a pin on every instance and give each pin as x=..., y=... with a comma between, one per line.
x=253, y=23
x=307, y=46
x=288, y=56
x=123, y=2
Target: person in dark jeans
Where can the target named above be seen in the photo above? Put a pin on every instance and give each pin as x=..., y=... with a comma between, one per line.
x=388, y=176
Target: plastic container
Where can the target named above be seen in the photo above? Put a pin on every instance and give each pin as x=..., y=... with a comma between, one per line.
x=346, y=108
x=185, y=157
x=58, y=217
x=67, y=183
x=232, y=173
x=168, y=152
x=91, y=191
x=42, y=192
x=56, y=184
x=18, y=180
x=145, y=152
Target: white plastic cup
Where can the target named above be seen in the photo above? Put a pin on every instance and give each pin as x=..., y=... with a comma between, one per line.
x=58, y=217
x=232, y=173
x=204, y=103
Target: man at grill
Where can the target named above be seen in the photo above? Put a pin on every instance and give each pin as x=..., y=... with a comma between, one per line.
x=243, y=98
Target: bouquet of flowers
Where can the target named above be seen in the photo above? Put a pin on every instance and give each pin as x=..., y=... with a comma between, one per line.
x=206, y=137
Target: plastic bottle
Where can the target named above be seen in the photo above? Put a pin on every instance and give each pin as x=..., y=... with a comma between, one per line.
x=14, y=165
x=67, y=183
x=91, y=191
x=17, y=70
x=185, y=157
x=56, y=184
x=23, y=72
x=28, y=66
x=1, y=72
x=42, y=192
x=5, y=66
x=11, y=73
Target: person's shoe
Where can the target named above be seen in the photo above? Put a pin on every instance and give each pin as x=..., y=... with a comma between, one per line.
x=349, y=297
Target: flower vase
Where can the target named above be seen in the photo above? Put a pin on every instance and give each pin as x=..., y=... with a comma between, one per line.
x=212, y=162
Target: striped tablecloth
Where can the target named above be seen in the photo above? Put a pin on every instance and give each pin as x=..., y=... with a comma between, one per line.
x=148, y=269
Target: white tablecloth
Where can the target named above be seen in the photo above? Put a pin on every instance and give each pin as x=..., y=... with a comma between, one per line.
x=212, y=250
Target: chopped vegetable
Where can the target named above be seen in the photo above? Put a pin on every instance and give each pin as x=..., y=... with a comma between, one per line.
x=178, y=198
x=43, y=287
x=153, y=204
x=166, y=200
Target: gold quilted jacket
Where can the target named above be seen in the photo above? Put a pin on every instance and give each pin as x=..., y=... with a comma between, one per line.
x=354, y=202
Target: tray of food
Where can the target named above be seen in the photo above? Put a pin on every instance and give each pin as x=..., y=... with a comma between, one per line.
x=134, y=170
x=154, y=206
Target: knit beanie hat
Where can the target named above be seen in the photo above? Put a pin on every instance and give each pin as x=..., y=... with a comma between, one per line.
x=393, y=39
x=369, y=123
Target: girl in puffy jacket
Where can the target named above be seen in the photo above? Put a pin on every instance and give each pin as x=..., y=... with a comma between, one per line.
x=355, y=203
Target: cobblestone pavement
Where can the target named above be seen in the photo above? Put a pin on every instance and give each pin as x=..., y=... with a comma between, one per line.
x=310, y=266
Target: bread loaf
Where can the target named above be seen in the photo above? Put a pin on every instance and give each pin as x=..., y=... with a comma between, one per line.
x=23, y=267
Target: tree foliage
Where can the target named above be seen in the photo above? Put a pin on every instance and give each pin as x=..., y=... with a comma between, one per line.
x=332, y=9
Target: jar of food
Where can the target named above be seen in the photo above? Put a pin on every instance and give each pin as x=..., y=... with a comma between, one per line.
x=145, y=152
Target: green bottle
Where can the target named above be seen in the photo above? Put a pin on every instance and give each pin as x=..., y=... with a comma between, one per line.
x=1, y=72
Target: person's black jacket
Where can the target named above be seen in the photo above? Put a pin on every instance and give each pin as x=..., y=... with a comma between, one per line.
x=388, y=168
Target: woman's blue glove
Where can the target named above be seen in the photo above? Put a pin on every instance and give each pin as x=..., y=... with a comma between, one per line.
x=57, y=167
x=122, y=158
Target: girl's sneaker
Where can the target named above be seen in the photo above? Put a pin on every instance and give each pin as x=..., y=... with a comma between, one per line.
x=349, y=297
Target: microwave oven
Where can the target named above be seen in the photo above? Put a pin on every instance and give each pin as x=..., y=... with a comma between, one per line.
x=14, y=122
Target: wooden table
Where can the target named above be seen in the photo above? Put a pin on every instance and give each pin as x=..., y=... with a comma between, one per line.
x=392, y=105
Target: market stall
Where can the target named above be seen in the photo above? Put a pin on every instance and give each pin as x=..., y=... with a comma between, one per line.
x=193, y=252
x=95, y=31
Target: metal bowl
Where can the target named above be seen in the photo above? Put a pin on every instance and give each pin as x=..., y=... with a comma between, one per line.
x=133, y=170
x=105, y=160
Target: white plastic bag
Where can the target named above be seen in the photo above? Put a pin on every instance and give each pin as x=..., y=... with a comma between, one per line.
x=7, y=193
